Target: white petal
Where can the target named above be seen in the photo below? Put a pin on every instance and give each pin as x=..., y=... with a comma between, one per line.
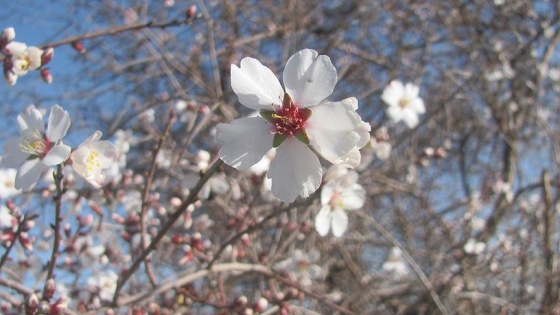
x=57, y=154
x=295, y=171
x=417, y=105
x=323, y=221
x=14, y=48
x=244, y=141
x=350, y=160
x=353, y=197
x=395, y=113
x=12, y=156
x=410, y=118
x=59, y=122
x=30, y=119
x=363, y=131
x=309, y=78
x=411, y=90
x=339, y=222
x=331, y=129
x=393, y=93
x=29, y=173
x=107, y=153
x=256, y=86
x=93, y=138
x=34, y=54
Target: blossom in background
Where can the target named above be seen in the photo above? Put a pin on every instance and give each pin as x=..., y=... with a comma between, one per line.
x=7, y=183
x=36, y=150
x=20, y=58
x=105, y=284
x=395, y=264
x=340, y=194
x=302, y=265
x=297, y=123
x=93, y=157
x=474, y=247
x=403, y=103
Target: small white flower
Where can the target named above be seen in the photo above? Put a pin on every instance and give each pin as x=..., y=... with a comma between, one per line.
x=297, y=123
x=93, y=157
x=20, y=58
x=302, y=265
x=403, y=103
x=395, y=264
x=7, y=183
x=105, y=283
x=339, y=195
x=36, y=150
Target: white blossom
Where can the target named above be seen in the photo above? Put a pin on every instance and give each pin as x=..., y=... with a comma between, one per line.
x=403, y=103
x=7, y=183
x=93, y=157
x=395, y=264
x=340, y=194
x=36, y=149
x=105, y=284
x=297, y=123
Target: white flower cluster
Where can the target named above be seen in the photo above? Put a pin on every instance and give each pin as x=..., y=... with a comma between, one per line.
x=20, y=58
x=36, y=149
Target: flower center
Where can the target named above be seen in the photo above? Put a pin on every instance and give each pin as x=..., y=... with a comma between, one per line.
x=404, y=102
x=35, y=144
x=92, y=162
x=288, y=120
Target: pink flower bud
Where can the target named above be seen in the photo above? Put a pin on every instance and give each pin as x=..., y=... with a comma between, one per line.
x=50, y=287
x=191, y=11
x=79, y=47
x=47, y=56
x=46, y=75
x=8, y=34
x=32, y=304
x=260, y=305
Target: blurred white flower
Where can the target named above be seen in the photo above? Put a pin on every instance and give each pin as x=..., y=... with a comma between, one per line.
x=303, y=267
x=8, y=182
x=105, y=283
x=395, y=264
x=297, y=122
x=93, y=157
x=36, y=150
x=474, y=247
x=381, y=149
x=403, y=103
x=340, y=194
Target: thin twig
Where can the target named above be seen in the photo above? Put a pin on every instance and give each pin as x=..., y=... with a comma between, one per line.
x=168, y=224
x=120, y=29
x=408, y=258
x=146, y=192
x=58, y=218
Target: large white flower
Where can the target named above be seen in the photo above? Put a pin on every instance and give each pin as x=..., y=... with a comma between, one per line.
x=36, y=150
x=93, y=157
x=340, y=194
x=297, y=122
x=403, y=103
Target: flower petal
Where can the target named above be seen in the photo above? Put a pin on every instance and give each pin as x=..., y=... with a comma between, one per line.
x=410, y=118
x=93, y=138
x=339, y=222
x=295, y=171
x=256, y=86
x=393, y=93
x=351, y=159
x=12, y=156
x=353, y=197
x=59, y=122
x=331, y=129
x=417, y=105
x=30, y=120
x=57, y=154
x=106, y=153
x=29, y=173
x=309, y=78
x=244, y=141
x=323, y=221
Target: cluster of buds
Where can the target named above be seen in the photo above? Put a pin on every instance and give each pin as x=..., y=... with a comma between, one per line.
x=20, y=58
